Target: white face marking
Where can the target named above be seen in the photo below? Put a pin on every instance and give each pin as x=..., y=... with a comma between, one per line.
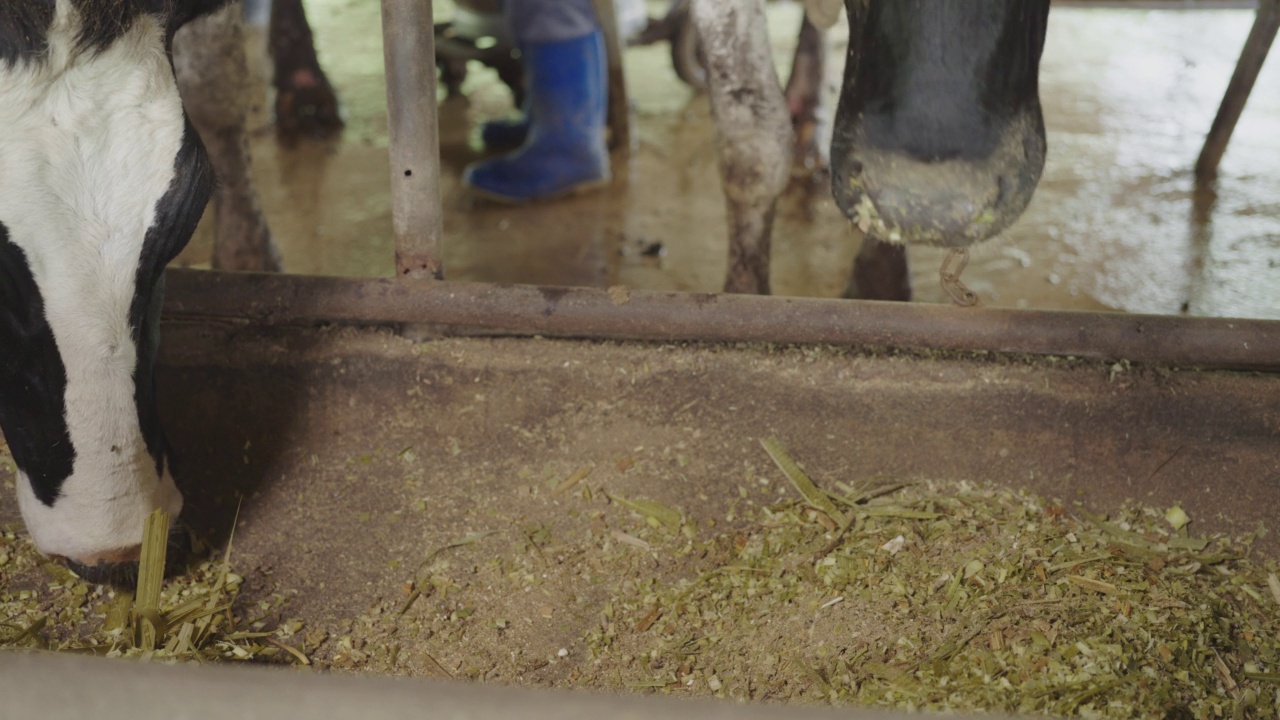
x=86, y=152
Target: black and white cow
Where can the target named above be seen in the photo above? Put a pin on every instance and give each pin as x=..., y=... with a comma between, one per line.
x=102, y=182
x=938, y=136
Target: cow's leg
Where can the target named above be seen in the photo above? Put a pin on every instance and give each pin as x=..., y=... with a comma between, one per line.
x=880, y=272
x=939, y=137
x=753, y=131
x=804, y=95
x=306, y=103
x=213, y=79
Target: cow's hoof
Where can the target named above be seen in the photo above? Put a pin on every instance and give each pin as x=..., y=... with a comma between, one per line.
x=307, y=106
x=124, y=573
x=897, y=197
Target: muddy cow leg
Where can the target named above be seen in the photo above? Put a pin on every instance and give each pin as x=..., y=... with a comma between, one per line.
x=880, y=272
x=213, y=79
x=804, y=95
x=306, y=103
x=753, y=131
x=939, y=137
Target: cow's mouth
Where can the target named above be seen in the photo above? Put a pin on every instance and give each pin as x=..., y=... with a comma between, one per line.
x=119, y=568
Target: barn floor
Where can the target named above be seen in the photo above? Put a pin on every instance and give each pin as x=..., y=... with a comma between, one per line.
x=1128, y=95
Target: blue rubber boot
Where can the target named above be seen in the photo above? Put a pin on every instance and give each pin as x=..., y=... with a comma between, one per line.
x=507, y=133
x=565, y=150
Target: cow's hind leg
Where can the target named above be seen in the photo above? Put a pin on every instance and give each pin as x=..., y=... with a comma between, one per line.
x=804, y=95
x=880, y=272
x=213, y=79
x=753, y=131
x=306, y=103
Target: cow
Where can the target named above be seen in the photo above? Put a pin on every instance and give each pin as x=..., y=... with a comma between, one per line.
x=938, y=139
x=103, y=179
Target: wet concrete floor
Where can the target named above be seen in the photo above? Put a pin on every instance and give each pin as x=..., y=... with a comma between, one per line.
x=1128, y=96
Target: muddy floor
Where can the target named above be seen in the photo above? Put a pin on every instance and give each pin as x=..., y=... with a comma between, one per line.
x=1128, y=95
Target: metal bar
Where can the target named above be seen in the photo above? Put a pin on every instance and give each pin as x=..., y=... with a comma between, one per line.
x=408, y=42
x=1254, y=54
x=619, y=313
x=619, y=110
x=61, y=686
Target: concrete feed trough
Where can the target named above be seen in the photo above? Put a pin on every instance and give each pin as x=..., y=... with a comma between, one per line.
x=356, y=458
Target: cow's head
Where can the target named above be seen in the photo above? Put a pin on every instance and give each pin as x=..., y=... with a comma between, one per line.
x=102, y=181
x=939, y=137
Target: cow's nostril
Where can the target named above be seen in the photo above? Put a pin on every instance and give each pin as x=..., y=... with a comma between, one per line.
x=124, y=573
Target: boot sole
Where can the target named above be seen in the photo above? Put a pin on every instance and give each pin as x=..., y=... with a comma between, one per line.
x=567, y=192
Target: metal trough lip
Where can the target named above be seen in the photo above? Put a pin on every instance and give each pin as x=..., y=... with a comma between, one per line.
x=53, y=686
x=624, y=314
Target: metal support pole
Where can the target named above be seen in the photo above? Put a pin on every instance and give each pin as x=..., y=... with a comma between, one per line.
x=1254, y=54
x=408, y=41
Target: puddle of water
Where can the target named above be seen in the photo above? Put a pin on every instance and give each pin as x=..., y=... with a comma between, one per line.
x=1128, y=95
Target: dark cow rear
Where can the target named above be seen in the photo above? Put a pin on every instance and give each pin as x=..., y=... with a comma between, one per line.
x=939, y=137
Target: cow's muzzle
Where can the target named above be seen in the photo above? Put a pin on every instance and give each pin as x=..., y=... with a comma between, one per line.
x=120, y=568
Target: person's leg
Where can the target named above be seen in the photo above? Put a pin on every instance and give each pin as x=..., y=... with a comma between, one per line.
x=548, y=21
x=562, y=49
x=506, y=133
x=536, y=21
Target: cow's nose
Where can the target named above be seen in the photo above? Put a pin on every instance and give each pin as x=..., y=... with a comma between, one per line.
x=120, y=568
x=897, y=197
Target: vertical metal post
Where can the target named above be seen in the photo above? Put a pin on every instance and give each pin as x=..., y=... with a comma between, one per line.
x=409, y=49
x=1265, y=25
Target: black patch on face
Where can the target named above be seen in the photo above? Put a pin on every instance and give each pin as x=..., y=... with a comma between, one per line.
x=177, y=214
x=33, y=380
x=24, y=29
x=24, y=24
x=102, y=22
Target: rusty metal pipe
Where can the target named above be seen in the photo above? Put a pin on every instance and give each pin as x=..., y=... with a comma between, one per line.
x=408, y=48
x=479, y=308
